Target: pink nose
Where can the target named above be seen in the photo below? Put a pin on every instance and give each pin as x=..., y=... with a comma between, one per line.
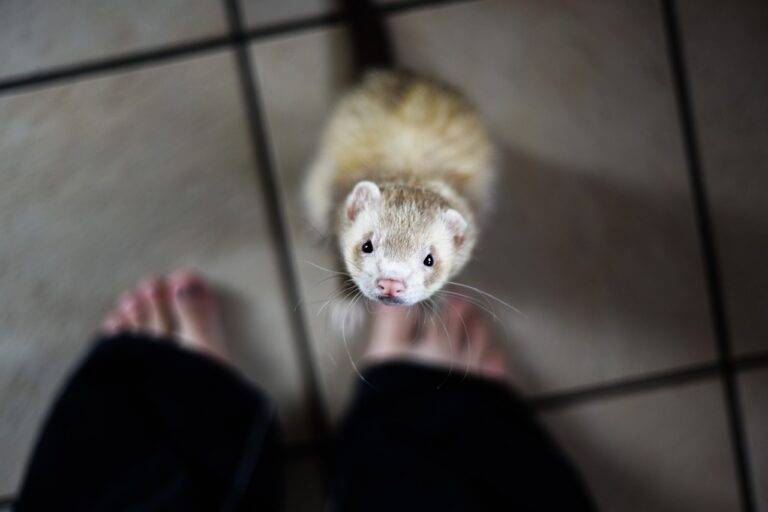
x=390, y=287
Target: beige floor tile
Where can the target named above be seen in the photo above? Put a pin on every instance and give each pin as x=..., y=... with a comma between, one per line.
x=39, y=34
x=105, y=181
x=664, y=450
x=726, y=56
x=753, y=384
x=594, y=237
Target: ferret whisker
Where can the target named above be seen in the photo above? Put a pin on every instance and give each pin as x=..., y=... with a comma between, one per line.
x=489, y=295
x=327, y=278
x=352, y=264
x=345, y=287
x=471, y=300
x=320, y=267
x=420, y=327
x=448, y=339
x=320, y=301
x=480, y=300
x=450, y=345
x=427, y=318
x=467, y=339
x=342, y=294
x=303, y=302
x=344, y=338
x=331, y=297
x=493, y=315
x=432, y=315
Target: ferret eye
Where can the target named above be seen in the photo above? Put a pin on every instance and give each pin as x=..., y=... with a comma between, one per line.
x=367, y=247
x=429, y=260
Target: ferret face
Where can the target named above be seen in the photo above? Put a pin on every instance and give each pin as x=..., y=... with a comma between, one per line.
x=399, y=248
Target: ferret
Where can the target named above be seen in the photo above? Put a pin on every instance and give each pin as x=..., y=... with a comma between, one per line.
x=403, y=169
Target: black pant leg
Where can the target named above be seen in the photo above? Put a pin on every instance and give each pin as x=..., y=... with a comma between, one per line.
x=145, y=425
x=418, y=438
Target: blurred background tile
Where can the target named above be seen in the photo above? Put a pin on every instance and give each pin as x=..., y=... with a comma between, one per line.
x=109, y=180
x=39, y=34
x=664, y=450
x=594, y=236
x=259, y=13
x=753, y=384
x=727, y=57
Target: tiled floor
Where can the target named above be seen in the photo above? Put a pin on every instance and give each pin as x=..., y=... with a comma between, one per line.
x=37, y=35
x=753, y=384
x=685, y=464
x=145, y=161
x=728, y=57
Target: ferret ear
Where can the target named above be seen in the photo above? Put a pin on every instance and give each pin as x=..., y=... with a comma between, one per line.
x=456, y=224
x=365, y=195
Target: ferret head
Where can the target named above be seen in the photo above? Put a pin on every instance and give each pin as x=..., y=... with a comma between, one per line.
x=400, y=244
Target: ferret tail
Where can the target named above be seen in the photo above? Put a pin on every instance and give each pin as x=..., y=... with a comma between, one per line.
x=371, y=42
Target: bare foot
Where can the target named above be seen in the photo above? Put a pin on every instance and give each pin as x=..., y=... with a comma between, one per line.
x=182, y=307
x=459, y=339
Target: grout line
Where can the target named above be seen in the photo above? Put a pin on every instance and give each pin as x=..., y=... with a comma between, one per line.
x=644, y=383
x=278, y=222
x=58, y=74
x=752, y=361
x=709, y=251
x=52, y=76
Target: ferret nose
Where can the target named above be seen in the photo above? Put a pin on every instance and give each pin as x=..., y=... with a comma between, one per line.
x=390, y=287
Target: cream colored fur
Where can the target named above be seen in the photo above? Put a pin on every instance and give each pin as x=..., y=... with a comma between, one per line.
x=425, y=147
